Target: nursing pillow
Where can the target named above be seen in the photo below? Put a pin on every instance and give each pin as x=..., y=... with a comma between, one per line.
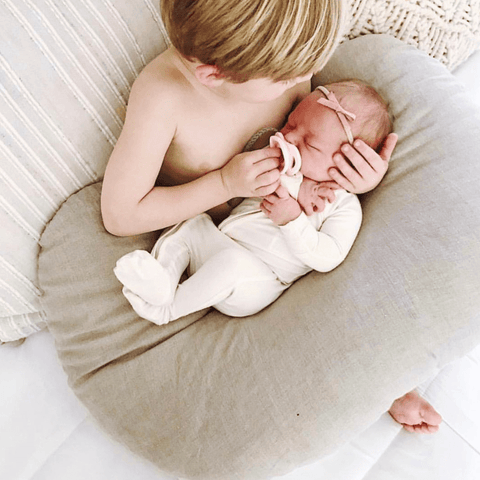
x=212, y=397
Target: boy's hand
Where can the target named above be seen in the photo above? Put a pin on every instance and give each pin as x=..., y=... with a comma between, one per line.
x=280, y=207
x=252, y=174
x=367, y=166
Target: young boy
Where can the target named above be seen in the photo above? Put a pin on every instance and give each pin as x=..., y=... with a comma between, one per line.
x=234, y=67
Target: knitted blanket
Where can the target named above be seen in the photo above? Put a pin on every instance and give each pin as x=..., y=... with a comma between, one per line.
x=448, y=30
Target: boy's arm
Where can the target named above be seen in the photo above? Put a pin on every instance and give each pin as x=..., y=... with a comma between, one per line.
x=131, y=204
x=137, y=157
x=365, y=167
x=325, y=249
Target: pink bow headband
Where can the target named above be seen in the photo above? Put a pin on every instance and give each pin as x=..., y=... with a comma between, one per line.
x=343, y=115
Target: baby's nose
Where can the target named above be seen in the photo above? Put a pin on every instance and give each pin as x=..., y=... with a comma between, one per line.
x=291, y=137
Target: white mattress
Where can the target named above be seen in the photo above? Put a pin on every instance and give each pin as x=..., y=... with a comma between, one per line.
x=46, y=434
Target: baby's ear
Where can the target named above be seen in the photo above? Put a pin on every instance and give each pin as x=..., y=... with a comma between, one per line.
x=209, y=75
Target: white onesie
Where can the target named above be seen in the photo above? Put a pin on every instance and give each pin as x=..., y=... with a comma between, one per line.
x=240, y=267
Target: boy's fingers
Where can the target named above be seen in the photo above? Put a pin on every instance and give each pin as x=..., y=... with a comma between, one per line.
x=358, y=160
x=268, y=178
x=340, y=179
x=378, y=162
x=266, y=165
x=282, y=192
x=268, y=152
x=265, y=190
x=346, y=170
x=370, y=156
x=388, y=146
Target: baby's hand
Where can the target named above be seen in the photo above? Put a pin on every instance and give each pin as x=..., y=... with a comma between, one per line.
x=280, y=207
x=367, y=166
x=313, y=196
x=252, y=174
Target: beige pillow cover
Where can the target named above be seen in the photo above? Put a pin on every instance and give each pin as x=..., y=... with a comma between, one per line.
x=240, y=399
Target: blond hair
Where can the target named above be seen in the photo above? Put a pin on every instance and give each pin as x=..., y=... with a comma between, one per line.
x=245, y=39
x=373, y=121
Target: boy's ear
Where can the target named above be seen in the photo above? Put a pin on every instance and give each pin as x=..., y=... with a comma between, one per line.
x=209, y=75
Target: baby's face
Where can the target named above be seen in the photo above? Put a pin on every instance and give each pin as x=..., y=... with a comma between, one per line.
x=317, y=133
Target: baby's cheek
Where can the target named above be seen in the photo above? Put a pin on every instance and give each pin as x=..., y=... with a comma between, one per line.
x=315, y=167
x=328, y=163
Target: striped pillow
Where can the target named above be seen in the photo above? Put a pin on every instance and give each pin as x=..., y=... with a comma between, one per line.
x=65, y=73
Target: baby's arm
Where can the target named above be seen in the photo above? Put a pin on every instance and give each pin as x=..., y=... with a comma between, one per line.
x=132, y=204
x=325, y=249
x=366, y=168
x=280, y=207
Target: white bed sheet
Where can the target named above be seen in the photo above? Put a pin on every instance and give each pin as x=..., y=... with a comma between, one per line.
x=46, y=434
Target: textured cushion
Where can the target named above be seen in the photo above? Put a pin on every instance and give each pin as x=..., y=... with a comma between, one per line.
x=213, y=397
x=447, y=30
x=65, y=71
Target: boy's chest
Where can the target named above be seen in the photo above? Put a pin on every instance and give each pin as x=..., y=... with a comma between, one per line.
x=208, y=137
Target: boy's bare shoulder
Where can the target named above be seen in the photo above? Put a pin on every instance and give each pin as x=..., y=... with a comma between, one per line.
x=161, y=81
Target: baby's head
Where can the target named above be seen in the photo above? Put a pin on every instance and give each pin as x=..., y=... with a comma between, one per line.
x=250, y=39
x=372, y=120
x=323, y=122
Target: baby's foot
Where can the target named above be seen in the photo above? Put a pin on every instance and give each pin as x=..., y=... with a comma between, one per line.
x=142, y=274
x=415, y=414
x=155, y=313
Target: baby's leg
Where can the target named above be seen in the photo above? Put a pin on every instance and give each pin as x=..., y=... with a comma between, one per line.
x=151, y=280
x=141, y=273
x=233, y=281
x=154, y=277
